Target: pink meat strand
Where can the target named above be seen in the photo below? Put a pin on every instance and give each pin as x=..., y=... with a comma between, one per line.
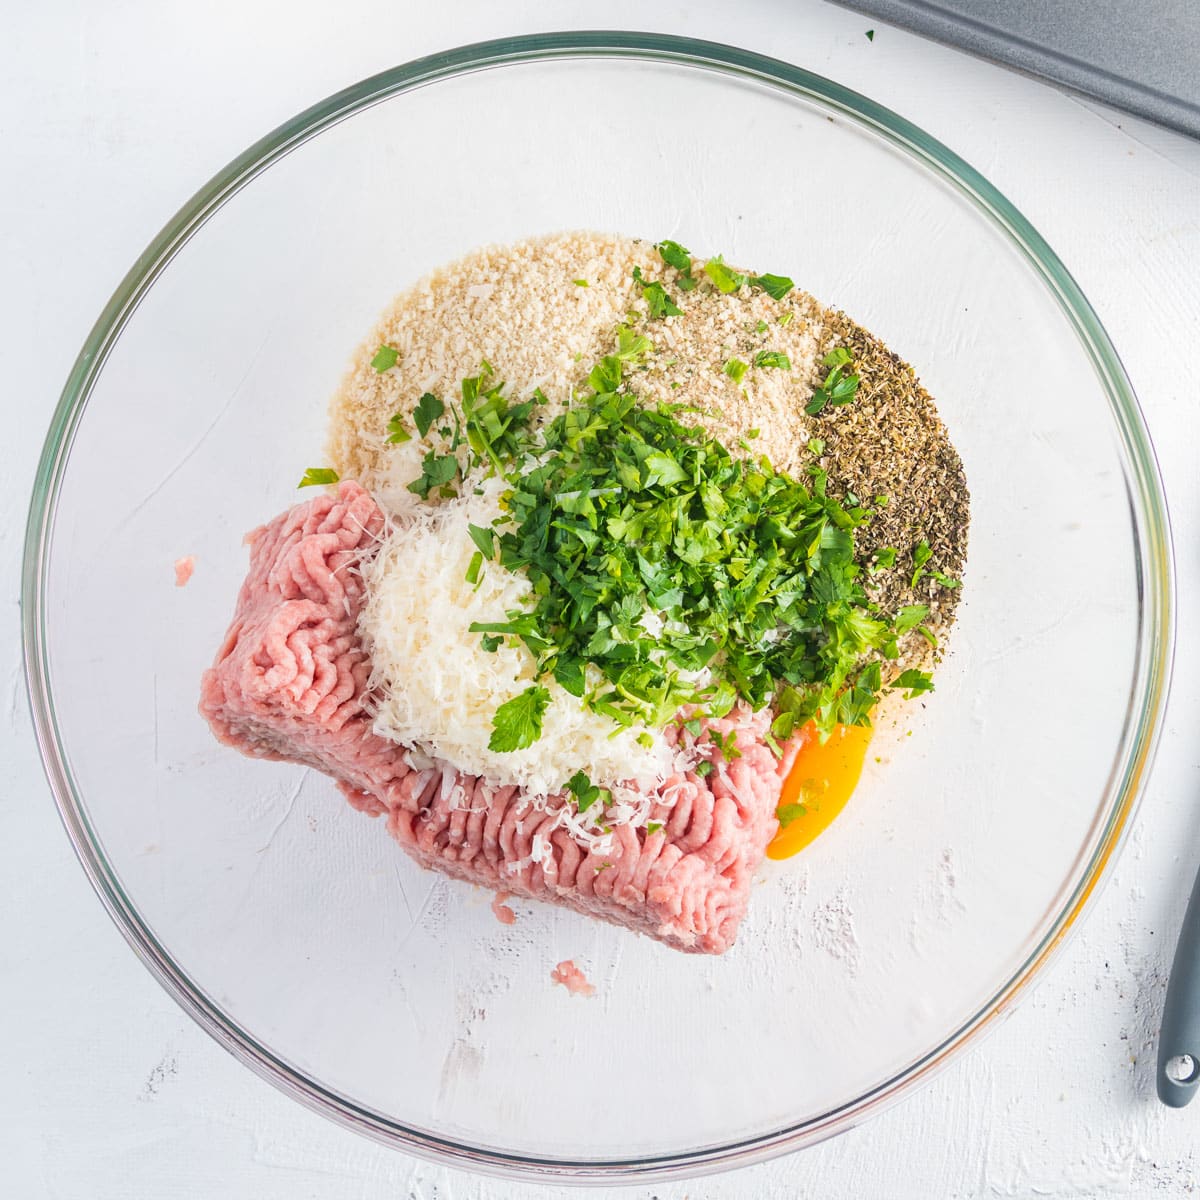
x=572, y=978
x=289, y=682
x=501, y=911
x=183, y=570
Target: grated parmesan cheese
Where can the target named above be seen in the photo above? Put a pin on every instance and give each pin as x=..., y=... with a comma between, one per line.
x=439, y=689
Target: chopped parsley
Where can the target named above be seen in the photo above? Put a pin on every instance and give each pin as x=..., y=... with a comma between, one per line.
x=428, y=409
x=773, y=358
x=586, y=793
x=581, y=283
x=870, y=35
x=484, y=539
x=945, y=580
x=438, y=471
x=909, y=617
x=658, y=303
x=633, y=347
x=917, y=682
x=776, y=286
x=385, y=358
x=885, y=559
x=726, y=278
x=474, y=568
x=787, y=813
x=703, y=768
x=652, y=827
x=921, y=555
x=518, y=722
x=496, y=430
x=622, y=510
x=679, y=257
x=839, y=387
x=317, y=476
x=736, y=369
x=397, y=433
x=726, y=744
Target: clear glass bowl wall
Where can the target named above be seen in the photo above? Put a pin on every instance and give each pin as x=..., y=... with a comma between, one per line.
x=391, y=999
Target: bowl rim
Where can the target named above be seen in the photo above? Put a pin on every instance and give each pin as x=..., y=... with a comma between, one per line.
x=1148, y=511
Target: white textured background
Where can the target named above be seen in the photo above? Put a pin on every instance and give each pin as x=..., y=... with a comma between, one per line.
x=110, y=117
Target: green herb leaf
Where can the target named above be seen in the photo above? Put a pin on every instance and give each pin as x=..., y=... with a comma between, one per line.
x=917, y=682
x=784, y=725
x=842, y=390
x=491, y=642
x=632, y=347
x=725, y=743
x=839, y=356
x=787, y=813
x=921, y=555
x=315, y=476
x=652, y=827
x=945, y=580
x=474, y=567
x=518, y=722
x=658, y=303
x=703, y=768
x=674, y=255
x=726, y=279
x=581, y=283
x=385, y=358
x=428, y=409
x=397, y=433
x=438, y=471
x=776, y=286
x=485, y=539
x=585, y=792
x=838, y=387
x=909, y=617
x=885, y=559
x=870, y=35
x=736, y=369
x=787, y=318
x=773, y=358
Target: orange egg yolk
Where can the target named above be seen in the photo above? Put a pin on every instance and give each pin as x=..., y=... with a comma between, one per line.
x=818, y=785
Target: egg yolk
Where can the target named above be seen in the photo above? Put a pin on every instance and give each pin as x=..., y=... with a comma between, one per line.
x=818, y=785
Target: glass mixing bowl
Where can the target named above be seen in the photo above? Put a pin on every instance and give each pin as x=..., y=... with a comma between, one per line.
x=390, y=999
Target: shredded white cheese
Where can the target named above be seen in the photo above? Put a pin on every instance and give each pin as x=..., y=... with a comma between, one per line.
x=439, y=689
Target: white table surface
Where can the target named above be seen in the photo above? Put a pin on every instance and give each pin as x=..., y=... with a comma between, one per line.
x=110, y=117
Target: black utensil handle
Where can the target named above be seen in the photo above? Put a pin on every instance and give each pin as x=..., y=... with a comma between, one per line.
x=1179, y=1038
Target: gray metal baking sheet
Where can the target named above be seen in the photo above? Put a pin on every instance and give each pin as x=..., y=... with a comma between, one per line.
x=1139, y=55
